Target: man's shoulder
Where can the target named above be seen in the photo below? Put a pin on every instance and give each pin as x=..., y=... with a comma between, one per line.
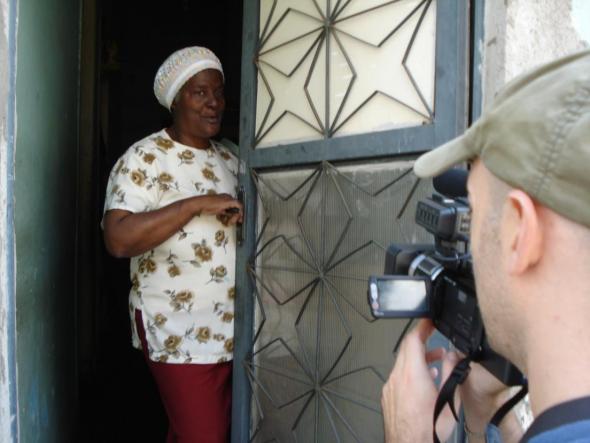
x=578, y=432
x=566, y=422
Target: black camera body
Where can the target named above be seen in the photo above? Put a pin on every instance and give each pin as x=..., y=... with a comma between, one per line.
x=436, y=282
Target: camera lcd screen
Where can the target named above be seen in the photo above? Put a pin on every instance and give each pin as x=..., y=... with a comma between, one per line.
x=399, y=297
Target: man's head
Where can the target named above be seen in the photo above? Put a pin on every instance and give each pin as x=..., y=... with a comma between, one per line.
x=529, y=189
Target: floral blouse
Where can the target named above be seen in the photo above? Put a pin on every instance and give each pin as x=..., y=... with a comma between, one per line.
x=185, y=286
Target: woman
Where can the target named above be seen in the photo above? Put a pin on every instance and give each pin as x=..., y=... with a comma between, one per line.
x=171, y=207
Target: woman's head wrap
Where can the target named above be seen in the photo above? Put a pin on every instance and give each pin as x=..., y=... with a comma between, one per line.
x=179, y=68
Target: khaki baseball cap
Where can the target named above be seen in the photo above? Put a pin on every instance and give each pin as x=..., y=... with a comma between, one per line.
x=535, y=137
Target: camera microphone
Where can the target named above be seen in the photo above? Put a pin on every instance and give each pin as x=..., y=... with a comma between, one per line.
x=452, y=183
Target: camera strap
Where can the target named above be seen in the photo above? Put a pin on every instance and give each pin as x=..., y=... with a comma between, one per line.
x=501, y=413
x=446, y=396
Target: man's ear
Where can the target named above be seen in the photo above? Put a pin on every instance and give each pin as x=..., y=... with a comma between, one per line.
x=523, y=231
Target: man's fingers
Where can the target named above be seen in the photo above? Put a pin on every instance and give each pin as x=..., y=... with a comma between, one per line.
x=415, y=342
x=435, y=355
x=449, y=362
x=433, y=372
x=424, y=328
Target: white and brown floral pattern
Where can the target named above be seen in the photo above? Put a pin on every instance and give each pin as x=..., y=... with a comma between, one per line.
x=185, y=286
x=203, y=253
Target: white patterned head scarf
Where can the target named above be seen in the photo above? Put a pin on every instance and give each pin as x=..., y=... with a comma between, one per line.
x=179, y=68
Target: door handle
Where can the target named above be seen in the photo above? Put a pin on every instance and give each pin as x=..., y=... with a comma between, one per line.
x=240, y=226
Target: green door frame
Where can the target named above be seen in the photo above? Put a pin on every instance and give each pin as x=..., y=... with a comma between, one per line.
x=450, y=120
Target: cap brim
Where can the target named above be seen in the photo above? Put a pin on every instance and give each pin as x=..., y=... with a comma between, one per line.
x=438, y=160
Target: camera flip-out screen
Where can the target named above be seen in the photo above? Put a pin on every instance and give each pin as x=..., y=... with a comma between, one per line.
x=399, y=296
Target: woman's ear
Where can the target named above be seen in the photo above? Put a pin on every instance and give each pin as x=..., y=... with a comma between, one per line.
x=522, y=232
x=174, y=101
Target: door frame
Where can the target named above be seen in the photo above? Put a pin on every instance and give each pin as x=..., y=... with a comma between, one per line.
x=8, y=369
x=451, y=95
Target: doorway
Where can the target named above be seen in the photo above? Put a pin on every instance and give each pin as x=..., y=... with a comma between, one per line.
x=118, y=399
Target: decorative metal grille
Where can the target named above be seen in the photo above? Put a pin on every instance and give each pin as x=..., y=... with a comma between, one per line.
x=328, y=68
x=320, y=359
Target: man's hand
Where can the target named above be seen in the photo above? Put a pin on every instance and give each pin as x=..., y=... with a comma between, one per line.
x=410, y=393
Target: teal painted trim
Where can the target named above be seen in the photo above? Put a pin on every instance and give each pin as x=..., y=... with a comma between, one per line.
x=244, y=301
x=10, y=240
x=451, y=70
x=46, y=145
x=376, y=144
x=478, y=35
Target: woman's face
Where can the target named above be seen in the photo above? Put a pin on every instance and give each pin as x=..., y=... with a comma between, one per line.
x=199, y=105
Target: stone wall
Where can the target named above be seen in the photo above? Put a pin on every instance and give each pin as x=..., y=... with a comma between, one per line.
x=520, y=34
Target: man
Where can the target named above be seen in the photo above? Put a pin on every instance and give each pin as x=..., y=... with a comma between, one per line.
x=529, y=191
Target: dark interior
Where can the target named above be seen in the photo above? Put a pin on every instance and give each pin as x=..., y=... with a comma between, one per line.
x=118, y=399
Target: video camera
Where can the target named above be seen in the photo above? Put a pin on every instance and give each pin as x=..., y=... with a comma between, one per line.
x=436, y=281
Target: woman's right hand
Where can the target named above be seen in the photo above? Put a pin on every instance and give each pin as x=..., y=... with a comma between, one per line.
x=229, y=210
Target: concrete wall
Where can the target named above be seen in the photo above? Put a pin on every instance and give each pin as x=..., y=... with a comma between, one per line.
x=520, y=34
x=45, y=214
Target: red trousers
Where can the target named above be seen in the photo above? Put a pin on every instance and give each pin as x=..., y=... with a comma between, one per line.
x=197, y=397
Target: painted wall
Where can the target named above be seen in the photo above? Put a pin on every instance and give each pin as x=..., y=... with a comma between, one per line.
x=520, y=34
x=45, y=196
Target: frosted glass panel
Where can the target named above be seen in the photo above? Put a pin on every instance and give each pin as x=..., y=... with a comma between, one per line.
x=273, y=11
x=320, y=359
x=362, y=66
x=360, y=15
x=290, y=111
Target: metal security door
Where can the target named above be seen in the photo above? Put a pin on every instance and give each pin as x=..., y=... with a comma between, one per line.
x=338, y=97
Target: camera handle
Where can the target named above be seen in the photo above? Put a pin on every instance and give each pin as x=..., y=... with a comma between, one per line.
x=447, y=394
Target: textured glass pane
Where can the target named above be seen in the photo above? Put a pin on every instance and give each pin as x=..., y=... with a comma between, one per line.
x=289, y=111
x=293, y=26
x=286, y=58
x=272, y=11
x=320, y=359
x=386, y=95
x=360, y=15
x=263, y=99
x=342, y=76
x=420, y=61
x=366, y=66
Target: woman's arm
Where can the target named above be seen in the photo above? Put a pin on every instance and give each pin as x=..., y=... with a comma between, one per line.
x=128, y=234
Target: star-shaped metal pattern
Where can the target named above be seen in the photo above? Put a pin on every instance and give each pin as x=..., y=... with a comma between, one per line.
x=320, y=358
x=317, y=67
